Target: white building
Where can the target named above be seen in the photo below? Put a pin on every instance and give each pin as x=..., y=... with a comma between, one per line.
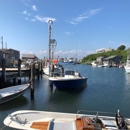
x=104, y=50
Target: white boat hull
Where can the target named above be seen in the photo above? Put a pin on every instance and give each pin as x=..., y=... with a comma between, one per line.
x=30, y=120
x=13, y=92
x=127, y=69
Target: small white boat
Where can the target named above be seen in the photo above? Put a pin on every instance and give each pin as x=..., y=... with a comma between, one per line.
x=127, y=66
x=94, y=63
x=82, y=120
x=71, y=79
x=9, y=93
x=106, y=64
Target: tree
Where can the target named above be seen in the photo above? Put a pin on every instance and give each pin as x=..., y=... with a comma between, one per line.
x=122, y=47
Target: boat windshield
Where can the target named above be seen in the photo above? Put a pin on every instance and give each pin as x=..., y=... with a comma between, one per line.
x=69, y=72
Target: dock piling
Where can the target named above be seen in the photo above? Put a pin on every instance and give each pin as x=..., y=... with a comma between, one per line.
x=3, y=71
x=19, y=71
x=32, y=79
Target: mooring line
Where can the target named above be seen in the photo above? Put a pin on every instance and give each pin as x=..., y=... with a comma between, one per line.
x=3, y=127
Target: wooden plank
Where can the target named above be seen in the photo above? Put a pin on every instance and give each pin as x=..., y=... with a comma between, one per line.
x=40, y=125
x=78, y=124
x=81, y=124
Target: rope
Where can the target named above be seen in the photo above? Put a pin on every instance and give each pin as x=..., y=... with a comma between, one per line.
x=29, y=82
x=3, y=127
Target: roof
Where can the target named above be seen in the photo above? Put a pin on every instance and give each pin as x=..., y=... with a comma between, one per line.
x=110, y=57
x=28, y=56
x=12, y=49
x=4, y=51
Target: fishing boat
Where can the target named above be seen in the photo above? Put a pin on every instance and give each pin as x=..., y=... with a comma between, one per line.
x=57, y=67
x=70, y=79
x=9, y=93
x=82, y=120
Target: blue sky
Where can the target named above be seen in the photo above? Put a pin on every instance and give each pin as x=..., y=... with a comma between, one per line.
x=79, y=26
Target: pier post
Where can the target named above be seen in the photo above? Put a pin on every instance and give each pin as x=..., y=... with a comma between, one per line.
x=62, y=73
x=19, y=71
x=38, y=71
x=52, y=71
x=32, y=79
x=41, y=67
x=3, y=71
x=14, y=81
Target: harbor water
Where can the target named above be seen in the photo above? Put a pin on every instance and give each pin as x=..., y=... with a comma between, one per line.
x=107, y=89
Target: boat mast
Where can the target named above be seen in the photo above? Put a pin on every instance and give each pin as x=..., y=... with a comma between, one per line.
x=50, y=22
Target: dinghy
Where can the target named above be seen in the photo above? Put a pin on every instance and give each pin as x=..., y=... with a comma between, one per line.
x=82, y=120
x=9, y=93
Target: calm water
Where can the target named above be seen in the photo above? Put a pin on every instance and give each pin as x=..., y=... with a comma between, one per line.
x=107, y=89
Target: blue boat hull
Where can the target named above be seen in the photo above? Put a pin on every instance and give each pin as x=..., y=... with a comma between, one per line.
x=69, y=84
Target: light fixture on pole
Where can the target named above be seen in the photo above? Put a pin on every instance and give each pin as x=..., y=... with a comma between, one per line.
x=53, y=44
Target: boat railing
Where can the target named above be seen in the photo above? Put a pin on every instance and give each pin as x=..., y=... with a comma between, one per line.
x=93, y=113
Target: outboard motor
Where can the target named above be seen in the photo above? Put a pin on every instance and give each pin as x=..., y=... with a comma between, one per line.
x=120, y=120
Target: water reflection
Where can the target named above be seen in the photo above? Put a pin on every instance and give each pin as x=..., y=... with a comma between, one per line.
x=19, y=102
x=127, y=80
x=65, y=100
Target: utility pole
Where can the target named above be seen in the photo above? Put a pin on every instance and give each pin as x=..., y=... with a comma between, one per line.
x=50, y=22
x=2, y=41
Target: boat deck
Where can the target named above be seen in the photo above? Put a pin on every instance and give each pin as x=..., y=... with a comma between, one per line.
x=40, y=125
x=54, y=125
x=32, y=120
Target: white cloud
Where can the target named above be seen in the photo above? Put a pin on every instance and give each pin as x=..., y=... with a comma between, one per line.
x=34, y=7
x=68, y=33
x=26, y=52
x=73, y=23
x=61, y=54
x=33, y=20
x=26, y=18
x=84, y=16
x=44, y=19
x=24, y=12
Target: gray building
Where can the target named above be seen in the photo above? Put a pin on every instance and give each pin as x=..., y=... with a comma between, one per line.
x=100, y=59
x=11, y=57
x=28, y=58
x=113, y=60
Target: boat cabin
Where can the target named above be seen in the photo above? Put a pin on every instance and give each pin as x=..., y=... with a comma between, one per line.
x=71, y=73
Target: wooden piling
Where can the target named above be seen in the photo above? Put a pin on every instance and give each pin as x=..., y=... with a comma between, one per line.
x=19, y=71
x=3, y=71
x=52, y=71
x=38, y=71
x=32, y=79
x=62, y=74
x=41, y=67
x=14, y=81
